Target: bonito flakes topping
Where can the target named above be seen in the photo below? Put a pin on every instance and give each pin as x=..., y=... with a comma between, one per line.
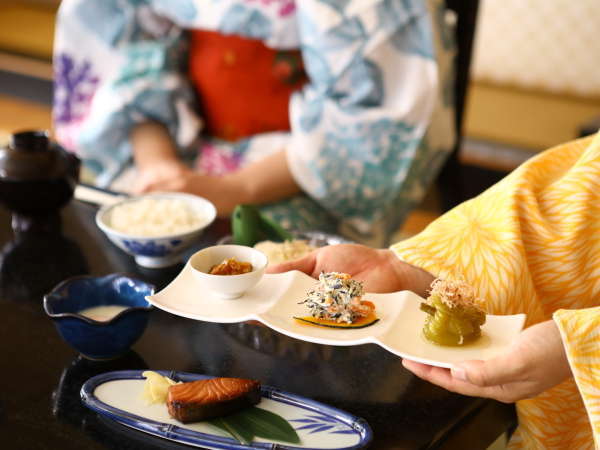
x=454, y=292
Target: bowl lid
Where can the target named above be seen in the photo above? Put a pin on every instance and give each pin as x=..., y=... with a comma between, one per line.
x=31, y=155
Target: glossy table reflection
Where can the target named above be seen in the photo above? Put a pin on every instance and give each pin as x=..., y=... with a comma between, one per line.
x=41, y=376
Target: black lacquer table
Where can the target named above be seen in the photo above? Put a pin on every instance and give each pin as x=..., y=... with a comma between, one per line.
x=41, y=375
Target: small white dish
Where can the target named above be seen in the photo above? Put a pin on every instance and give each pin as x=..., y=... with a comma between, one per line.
x=274, y=301
x=228, y=286
x=157, y=251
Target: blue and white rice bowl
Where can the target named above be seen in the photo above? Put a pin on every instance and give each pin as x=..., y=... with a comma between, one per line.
x=154, y=250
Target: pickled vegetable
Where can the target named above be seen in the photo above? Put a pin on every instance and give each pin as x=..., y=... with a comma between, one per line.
x=453, y=318
x=156, y=387
x=250, y=226
x=231, y=266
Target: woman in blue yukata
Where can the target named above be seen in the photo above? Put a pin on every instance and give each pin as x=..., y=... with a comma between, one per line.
x=330, y=114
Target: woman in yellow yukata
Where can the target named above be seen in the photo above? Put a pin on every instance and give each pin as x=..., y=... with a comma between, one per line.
x=530, y=244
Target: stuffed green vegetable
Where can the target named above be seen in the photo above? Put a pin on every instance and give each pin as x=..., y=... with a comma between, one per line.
x=453, y=316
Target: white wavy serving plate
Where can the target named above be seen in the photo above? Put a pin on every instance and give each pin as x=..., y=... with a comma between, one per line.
x=274, y=301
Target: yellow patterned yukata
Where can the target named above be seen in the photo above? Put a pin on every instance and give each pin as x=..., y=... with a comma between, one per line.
x=531, y=244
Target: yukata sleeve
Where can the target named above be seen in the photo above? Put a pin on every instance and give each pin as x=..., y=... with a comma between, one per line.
x=358, y=124
x=580, y=330
x=117, y=63
x=529, y=244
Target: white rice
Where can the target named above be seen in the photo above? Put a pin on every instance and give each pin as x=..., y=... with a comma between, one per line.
x=151, y=217
x=278, y=252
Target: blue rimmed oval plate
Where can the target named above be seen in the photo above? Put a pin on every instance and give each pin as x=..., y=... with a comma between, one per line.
x=118, y=396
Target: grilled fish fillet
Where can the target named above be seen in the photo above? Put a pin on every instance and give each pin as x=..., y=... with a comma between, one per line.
x=205, y=399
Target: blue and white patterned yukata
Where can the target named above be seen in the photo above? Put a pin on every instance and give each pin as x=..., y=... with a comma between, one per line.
x=369, y=131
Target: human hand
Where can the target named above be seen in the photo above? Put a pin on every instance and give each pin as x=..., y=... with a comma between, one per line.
x=379, y=270
x=220, y=190
x=534, y=363
x=152, y=177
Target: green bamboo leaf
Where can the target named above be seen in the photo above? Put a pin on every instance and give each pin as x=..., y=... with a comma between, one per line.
x=267, y=425
x=250, y=422
x=242, y=434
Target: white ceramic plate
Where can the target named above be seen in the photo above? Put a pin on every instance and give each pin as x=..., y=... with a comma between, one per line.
x=118, y=396
x=274, y=301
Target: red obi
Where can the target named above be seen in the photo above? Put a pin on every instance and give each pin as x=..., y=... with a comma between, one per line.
x=243, y=86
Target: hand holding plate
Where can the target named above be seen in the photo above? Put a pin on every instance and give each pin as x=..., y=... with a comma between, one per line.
x=379, y=270
x=535, y=362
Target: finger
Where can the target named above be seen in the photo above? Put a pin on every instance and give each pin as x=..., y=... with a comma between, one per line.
x=500, y=370
x=443, y=377
x=305, y=264
x=143, y=188
x=146, y=186
x=436, y=375
x=417, y=368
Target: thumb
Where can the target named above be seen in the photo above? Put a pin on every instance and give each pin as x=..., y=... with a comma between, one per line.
x=305, y=264
x=493, y=372
x=144, y=186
